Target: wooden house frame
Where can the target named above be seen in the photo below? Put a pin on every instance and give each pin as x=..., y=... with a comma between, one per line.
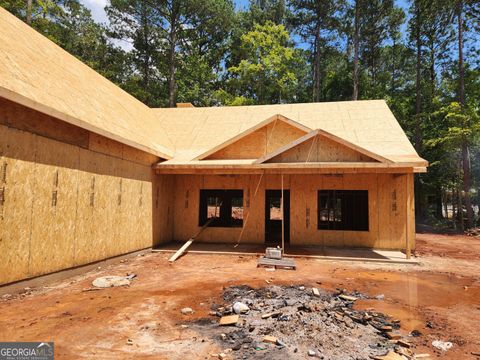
x=87, y=172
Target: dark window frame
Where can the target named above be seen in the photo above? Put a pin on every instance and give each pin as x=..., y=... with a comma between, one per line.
x=346, y=210
x=225, y=219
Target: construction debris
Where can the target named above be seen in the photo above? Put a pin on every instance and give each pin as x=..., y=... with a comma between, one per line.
x=442, y=345
x=240, y=308
x=229, y=320
x=189, y=242
x=270, y=339
x=187, y=311
x=273, y=253
x=287, y=322
x=347, y=298
x=284, y=263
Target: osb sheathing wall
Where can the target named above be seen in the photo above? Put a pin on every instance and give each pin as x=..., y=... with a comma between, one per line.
x=64, y=205
x=390, y=201
x=260, y=142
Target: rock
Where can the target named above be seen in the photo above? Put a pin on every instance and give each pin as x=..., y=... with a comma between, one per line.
x=110, y=281
x=416, y=333
x=129, y=342
x=186, y=311
x=315, y=291
x=229, y=320
x=301, y=288
x=222, y=356
x=240, y=308
x=442, y=345
x=380, y=297
x=311, y=353
x=290, y=302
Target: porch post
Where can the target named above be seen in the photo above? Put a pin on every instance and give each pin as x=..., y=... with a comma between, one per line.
x=283, y=224
x=408, y=194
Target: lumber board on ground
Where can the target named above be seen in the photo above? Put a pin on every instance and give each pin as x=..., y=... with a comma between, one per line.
x=189, y=242
x=278, y=264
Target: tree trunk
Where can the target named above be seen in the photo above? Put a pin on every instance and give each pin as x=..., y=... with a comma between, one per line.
x=316, y=66
x=356, y=40
x=172, y=86
x=146, y=63
x=418, y=79
x=454, y=208
x=432, y=76
x=438, y=204
x=29, y=12
x=394, y=69
x=460, y=209
x=418, y=137
x=445, y=204
x=467, y=177
x=467, y=182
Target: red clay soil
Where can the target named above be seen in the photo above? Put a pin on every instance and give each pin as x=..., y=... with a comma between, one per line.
x=440, y=298
x=451, y=246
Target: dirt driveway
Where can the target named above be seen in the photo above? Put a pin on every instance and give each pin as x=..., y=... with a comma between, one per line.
x=440, y=298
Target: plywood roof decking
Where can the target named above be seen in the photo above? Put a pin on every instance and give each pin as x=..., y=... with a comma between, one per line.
x=38, y=74
x=368, y=124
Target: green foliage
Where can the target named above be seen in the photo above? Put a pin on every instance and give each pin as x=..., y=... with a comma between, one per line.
x=266, y=74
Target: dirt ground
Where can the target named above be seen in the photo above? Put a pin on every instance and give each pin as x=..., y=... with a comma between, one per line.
x=440, y=298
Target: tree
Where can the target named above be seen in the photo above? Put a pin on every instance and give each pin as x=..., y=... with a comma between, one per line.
x=318, y=23
x=163, y=31
x=266, y=73
x=356, y=46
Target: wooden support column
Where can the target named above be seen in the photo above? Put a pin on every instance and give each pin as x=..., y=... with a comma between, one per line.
x=283, y=220
x=408, y=219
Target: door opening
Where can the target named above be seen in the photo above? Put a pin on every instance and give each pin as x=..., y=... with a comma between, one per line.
x=273, y=217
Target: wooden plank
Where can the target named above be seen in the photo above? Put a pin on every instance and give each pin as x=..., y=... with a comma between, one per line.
x=181, y=251
x=284, y=263
x=189, y=242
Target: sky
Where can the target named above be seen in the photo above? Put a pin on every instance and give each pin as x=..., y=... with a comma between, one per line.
x=97, y=8
x=98, y=12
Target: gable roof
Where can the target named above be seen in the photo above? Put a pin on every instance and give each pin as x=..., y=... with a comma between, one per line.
x=315, y=133
x=367, y=124
x=38, y=74
x=272, y=120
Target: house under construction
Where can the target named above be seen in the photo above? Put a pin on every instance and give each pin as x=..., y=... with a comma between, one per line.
x=88, y=172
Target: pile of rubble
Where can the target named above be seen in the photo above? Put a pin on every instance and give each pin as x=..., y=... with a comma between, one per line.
x=295, y=322
x=473, y=232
